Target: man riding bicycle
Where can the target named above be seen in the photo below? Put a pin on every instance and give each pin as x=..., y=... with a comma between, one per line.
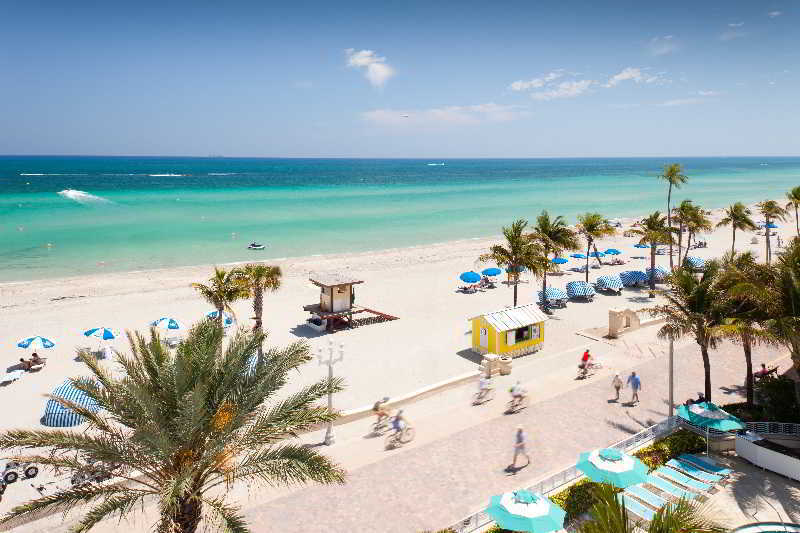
x=399, y=423
x=517, y=393
x=484, y=385
x=379, y=411
x=586, y=360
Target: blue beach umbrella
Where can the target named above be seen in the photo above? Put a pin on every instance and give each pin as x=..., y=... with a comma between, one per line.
x=35, y=343
x=695, y=263
x=516, y=269
x=59, y=416
x=640, y=245
x=493, y=271
x=227, y=320
x=553, y=293
x=105, y=334
x=597, y=254
x=613, y=251
x=559, y=260
x=525, y=511
x=771, y=225
x=612, y=466
x=167, y=324
x=470, y=277
x=631, y=278
x=579, y=289
x=709, y=416
x=578, y=256
x=659, y=273
x=613, y=283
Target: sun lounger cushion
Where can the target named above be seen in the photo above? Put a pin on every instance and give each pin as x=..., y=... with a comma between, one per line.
x=636, y=507
x=646, y=496
x=669, y=488
x=695, y=472
x=686, y=481
x=14, y=375
x=705, y=464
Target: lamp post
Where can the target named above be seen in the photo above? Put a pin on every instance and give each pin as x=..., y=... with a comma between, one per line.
x=671, y=378
x=330, y=361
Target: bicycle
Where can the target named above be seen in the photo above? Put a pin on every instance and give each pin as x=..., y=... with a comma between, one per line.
x=380, y=426
x=486, y=395
x=399, y=438
x=584, y=371
x=517, y=403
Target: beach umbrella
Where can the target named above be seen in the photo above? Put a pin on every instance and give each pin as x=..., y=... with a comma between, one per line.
x=470, y=277
x=597, y=254
x=695, y=263
x=516, y=269
x=612, y=282
x=640, y=245
x=612, y=466
x=771, y=225
x=35, y=343
x=493, y=271
x=167, y=324
x=57, y=415
x=709, y=416
x=553, y=293
x=613, y=251
x=559, y=260
x=105, y=334
x=659, y=273
x=578, y=256
x=525, y=511
x=633, y=277
x=227, y=320
x=579, y=289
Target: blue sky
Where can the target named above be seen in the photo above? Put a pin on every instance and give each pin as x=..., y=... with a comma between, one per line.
x=401, y=79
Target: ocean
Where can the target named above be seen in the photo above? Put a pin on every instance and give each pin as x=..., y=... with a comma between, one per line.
x=67, y=216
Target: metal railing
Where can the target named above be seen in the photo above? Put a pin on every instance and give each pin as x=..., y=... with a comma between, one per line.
x=774, y=428
x=480, y=520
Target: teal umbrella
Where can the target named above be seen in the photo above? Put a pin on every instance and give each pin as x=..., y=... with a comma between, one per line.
x=525, y=511
x=612, y=466
x=708, y=415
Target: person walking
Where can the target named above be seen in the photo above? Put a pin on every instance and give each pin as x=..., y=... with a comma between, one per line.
x=617, y=384
x=636, y=385
x=519, y=447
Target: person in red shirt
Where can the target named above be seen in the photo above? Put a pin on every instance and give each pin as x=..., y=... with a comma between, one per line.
x=585, y=359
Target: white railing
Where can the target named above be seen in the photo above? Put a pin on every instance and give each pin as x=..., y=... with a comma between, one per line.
x=480, y=520
x=775, y=428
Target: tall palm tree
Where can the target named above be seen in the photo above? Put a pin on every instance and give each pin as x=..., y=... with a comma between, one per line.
x=555, y=236
x=652, y=231
x=519, y=251
x=698, y=222
x=674, y=176
x=182, y=428
x=609, y=515
x=794, y=201
x=693, y=308
x=737, y=216
x=771, y=211
x=259, y=278
x=223, y=288
x=593, y=226
x=682, y=215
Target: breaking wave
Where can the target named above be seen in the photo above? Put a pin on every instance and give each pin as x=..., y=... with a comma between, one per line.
x=165, y=175
x=83, y=197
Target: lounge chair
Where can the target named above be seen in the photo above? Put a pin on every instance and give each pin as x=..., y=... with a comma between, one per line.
x=694, y=471
x=706, y=464
x=683, y=479
x=636, y=508
x=668, y=488
x=646, y=496
x=12, y=376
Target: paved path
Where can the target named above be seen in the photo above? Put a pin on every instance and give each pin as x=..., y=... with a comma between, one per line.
x=433, y=484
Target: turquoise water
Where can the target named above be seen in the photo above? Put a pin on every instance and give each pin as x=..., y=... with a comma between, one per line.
x=120, y=213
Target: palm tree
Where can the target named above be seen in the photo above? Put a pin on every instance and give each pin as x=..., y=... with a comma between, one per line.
x=698, y=222
x=555, y=236
x=794, y=201
x=770, y=210
x=223, y=288
x=693, y=308
x=259, y=278
x=593, y=226
x=652, y=231
x=682, y=214
x=674, y=176
x=519, y=251
x=180, y=429
x=738, y=217
x=609, y=515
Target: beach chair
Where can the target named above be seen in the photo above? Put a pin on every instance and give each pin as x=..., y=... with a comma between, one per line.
x=694, y=471
x=683, y=479
x=706, y=464
x=669, y=488
x=646, y=496
x=636, y=508
x=10, y=377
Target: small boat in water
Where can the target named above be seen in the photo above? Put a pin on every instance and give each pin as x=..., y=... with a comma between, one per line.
x=255, y=246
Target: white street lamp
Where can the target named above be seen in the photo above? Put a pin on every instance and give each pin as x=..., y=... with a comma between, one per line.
x=330, y=361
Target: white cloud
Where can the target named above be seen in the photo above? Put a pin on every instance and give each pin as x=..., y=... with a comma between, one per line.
x=377, y=70
x=565, y=89
x=660, y=46
x=631, y=73
x=773, y=14
x=536, y=83
x=680, y=101
x=708, y=93
x=730, y=35
x=736, y=24
x=469, y=114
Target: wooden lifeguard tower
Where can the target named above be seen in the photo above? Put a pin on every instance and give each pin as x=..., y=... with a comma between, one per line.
x=337, y=301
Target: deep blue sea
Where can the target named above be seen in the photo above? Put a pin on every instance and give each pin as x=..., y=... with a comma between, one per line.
x=65, y=216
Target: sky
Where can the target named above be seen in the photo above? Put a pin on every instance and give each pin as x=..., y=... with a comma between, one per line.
x=561, y=78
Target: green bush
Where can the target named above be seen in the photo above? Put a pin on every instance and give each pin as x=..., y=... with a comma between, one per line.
x=778, y=399
x=747, y=414
x=576, y=499
x=661, y=451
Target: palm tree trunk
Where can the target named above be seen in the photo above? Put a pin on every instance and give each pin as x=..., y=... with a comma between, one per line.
x=796, y=221
x=706, y=369
x=588, y=249
x=680, y=241
x=187, y=515
x=733, y=242
x=516, y=282
x=652, y=270
x=594, y=245
x=766, y=235
x=748, y=360
x=669, y=224
x=258, y=311
x=220, y=317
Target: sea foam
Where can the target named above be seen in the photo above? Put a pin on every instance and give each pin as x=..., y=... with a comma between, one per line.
x=83, y=197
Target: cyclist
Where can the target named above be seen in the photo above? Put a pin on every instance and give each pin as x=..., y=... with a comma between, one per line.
x=379, y=411
x=399, y=423
x=586, y=360
x=517, y=393
x=484, y=385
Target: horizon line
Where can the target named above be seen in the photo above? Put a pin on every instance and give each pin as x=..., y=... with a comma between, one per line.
x=154, y=156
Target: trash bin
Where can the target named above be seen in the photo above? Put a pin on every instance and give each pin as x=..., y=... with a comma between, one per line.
x=505, y=365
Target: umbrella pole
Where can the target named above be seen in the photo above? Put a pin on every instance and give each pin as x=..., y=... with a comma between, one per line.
x=707, y=436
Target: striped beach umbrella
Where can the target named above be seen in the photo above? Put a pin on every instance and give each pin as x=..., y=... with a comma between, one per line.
x=167, y=324
x=59, y=416
x=579, y=289
x=578, y=256
x=106, y=334
x=611, y=283
x=695, y=263
x=613, y=251
x=493, y=271
x=597, y=254
x=36, y=342
x=559, y=260
x=640, y=245
x=553, y=293
x=227, y=320
x=470, y=277
x=659, y=273
x=612, y=466
x=525, y=511
x=631, y=278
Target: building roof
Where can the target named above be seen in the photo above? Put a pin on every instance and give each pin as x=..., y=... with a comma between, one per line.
x=515, y=317
x=333, y=279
